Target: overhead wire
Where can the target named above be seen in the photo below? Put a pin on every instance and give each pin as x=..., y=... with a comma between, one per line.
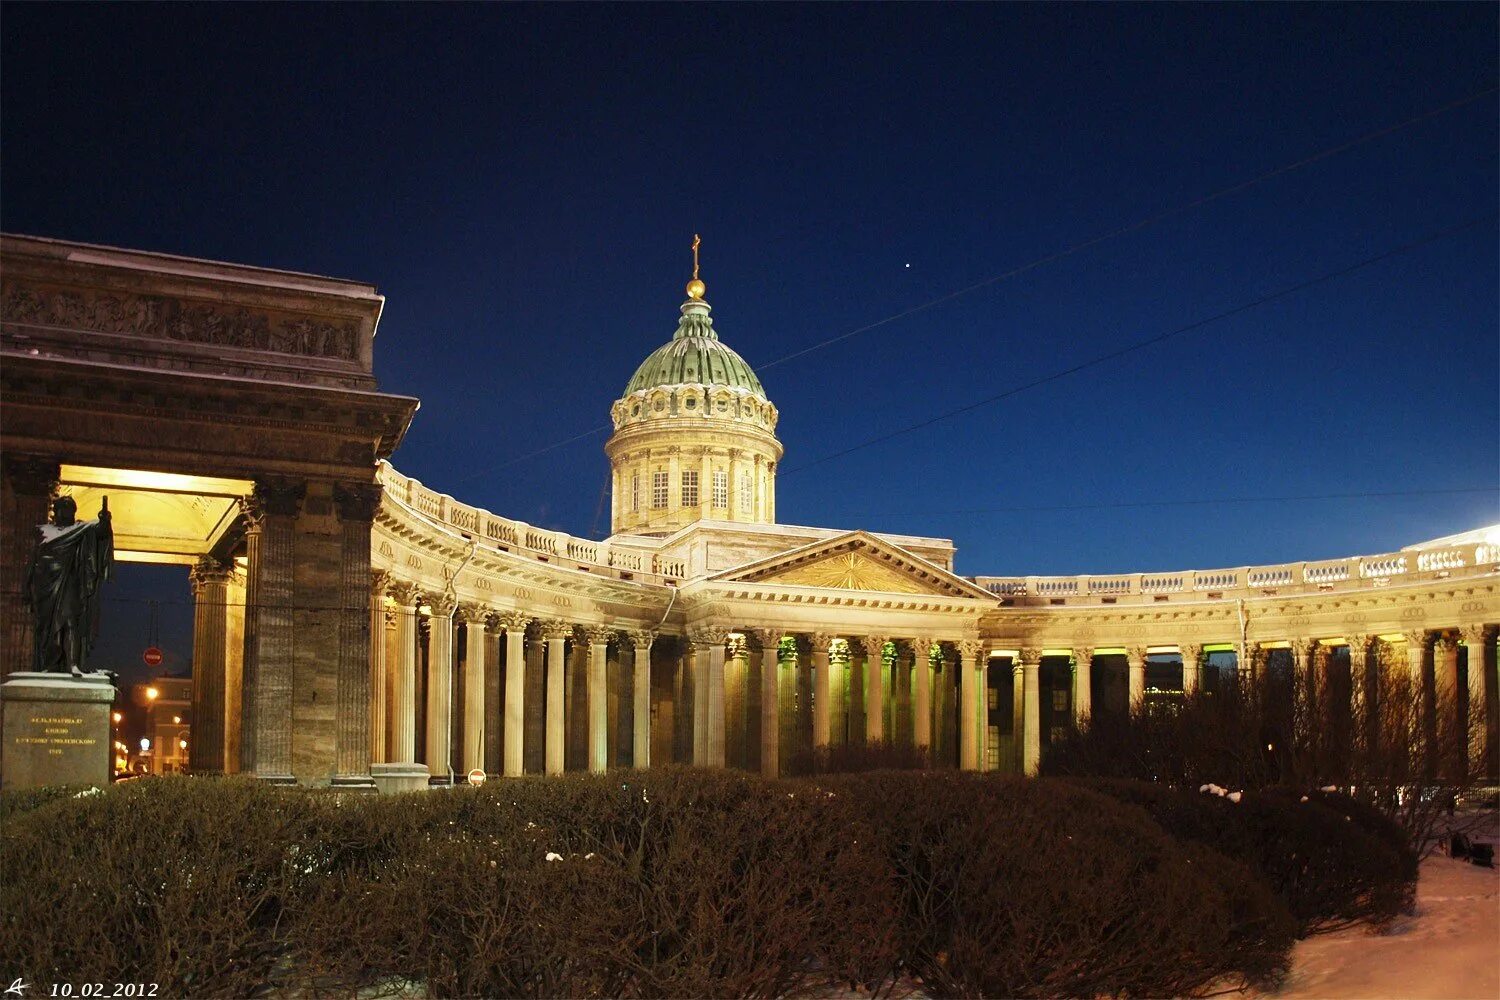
x=1134, y=227
x=1147, y=342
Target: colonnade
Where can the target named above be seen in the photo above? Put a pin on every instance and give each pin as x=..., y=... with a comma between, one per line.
x=542, y=695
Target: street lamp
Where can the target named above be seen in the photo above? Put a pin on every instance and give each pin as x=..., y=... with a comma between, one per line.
x=117, y=717
x=151, y=693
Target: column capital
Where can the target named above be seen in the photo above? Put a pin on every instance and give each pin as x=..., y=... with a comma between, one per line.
x=920, y=645
x=471, y=613
x=597, y=635
x=1476, y=634
x=1359, y=643
x=1301, y=647
x=821, y=641
x=1416, y=638
x=1192, y=652
x=708, y=635
x=380, y=582
x=442, y=605
x=208, y=570
x=1136, y=654
x=32, y=475
x=556, y=630
x=277, y=496
x=642, y=638
x=766, y=638
x=1029, y=656
x=1084, y=655
x=513, y=621
x=408, y=595
x=357, y=501
x=874, y=644
x=1445, y=643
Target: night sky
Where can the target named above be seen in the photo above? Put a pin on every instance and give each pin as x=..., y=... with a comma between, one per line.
x=523, y=183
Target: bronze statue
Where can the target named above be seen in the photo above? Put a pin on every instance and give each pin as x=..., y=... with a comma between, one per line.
x=71, y=562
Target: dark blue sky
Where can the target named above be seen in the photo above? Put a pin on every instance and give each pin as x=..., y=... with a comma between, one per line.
x=522, y=184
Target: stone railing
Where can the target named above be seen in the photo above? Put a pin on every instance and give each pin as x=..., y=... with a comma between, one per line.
x=1354, y=573
x=523, y=539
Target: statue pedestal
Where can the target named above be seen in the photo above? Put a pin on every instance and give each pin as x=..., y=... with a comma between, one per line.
x=57, y=730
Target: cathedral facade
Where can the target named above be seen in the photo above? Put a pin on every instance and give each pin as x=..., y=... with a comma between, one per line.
x=357, y=626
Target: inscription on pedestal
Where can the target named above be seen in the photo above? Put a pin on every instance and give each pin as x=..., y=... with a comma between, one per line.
x=56, y=730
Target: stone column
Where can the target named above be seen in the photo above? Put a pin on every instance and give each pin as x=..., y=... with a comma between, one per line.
x=380, y=585
x=1445, y=689
x=735, y=671
x=1135, y=659
x=1416, y=650
x=1192, y=668
x=770, y=700
x=475, y=618
x=900, y=698
x=1017, y=713
x=210, y=579
x=403, y=748
x=921, y=719
x=440, y=687
x=970, y=652
x=598, y=698
x=273, y=508
x=641, y=698
x=1304, y=686
x=515, y=624
x=356, y=504
x=708, y=726
x=556, y=634
x=874, y=687
x=1481, y=677
x=29, y=483
x=1031, y=746
x=733, y=504
x=822, y=689
x=494, y=697
x=1359, y=647
x=1083, y=683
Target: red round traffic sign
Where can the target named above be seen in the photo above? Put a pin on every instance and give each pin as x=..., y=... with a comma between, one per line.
x=476, y=777
x=152, y=656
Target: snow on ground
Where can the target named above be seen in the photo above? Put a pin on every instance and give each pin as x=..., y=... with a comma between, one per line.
x=1448, y=950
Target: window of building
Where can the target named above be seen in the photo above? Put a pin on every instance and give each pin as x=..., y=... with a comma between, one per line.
x=721, y=489
x=747, y=492
x=635, y=493
x=690, y=488
x=1059, y=700
x=659, y=490
x=992, y=699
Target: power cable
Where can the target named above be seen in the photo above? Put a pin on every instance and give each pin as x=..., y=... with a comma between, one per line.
x=1142, y=344
x=1068, y=251
x=1199, y=502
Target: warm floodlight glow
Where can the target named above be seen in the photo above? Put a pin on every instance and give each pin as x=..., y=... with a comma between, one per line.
x=151, y=693
x=176, y=720
x=145, y=744
x=117, y=717
x=182, y=744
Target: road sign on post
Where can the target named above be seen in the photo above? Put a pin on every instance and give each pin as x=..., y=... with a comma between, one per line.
x=152, y=656
x=476, y=777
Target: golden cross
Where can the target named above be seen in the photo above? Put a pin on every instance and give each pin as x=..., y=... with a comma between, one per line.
x=697, y=240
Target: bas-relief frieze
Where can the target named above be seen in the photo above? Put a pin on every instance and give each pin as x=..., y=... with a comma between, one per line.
x=163, y=318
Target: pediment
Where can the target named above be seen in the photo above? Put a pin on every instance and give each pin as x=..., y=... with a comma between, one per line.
x=855, y=561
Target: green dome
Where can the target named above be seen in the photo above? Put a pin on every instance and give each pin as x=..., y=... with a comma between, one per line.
x=695, y=355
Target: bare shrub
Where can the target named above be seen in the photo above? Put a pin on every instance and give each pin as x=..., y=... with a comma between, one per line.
x=176, y=881
x=1025, y=888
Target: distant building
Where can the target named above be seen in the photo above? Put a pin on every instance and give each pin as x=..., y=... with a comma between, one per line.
x=168, y=701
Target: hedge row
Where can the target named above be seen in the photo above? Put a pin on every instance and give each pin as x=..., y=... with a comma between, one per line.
x=670, y=882
x=1328, y=868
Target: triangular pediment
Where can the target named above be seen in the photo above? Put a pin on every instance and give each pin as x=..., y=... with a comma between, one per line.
x=854, y=561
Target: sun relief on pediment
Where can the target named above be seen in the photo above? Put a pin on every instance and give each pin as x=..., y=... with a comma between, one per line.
x=849, y=571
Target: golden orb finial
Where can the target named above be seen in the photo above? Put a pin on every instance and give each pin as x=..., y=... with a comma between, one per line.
x=696, y=288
